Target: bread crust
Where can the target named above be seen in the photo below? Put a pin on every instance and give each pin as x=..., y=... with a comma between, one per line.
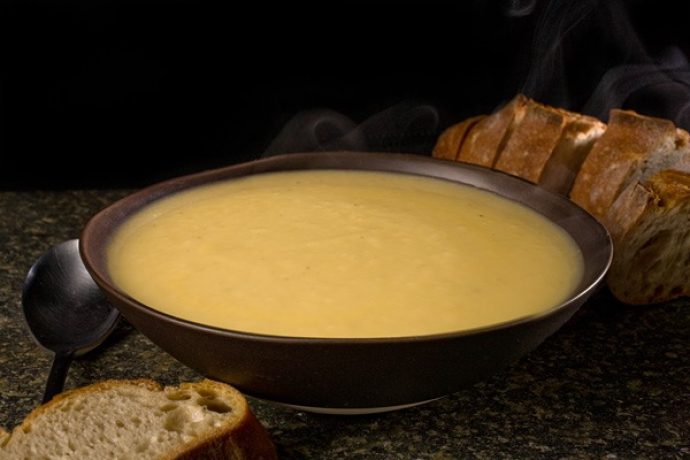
x=628, y=142
x=575, y=143
x=533, y=139
x=450, y=141
x=483, y=145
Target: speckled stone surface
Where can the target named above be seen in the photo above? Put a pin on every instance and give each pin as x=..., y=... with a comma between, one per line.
x=614, y=382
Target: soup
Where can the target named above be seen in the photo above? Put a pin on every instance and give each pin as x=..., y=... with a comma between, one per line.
x=334, y=253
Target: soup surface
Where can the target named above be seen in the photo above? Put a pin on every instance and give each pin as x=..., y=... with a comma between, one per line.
x=343, y=254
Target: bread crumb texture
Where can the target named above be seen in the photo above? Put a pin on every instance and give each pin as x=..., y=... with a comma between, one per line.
x=652, y=240
x=140, y=420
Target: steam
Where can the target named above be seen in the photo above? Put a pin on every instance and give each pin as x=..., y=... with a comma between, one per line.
x=661, y=89
x=546, y=80
x=630, y=77
x=406, y=127
x=316, y=130
x=585, y=56
x=520, y=8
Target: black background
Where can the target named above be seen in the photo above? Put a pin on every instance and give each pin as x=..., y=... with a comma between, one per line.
x=123, y=94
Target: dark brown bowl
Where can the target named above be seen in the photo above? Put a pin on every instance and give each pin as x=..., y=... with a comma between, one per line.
x=352, y=375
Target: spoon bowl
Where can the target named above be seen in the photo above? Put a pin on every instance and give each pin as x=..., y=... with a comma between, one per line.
x=65, y=309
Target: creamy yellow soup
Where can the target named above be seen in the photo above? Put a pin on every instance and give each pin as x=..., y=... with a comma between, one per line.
x=343, y=254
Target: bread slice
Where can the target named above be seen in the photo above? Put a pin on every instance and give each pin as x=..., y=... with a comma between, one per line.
x=483, y=145
x=533, y=139
x=650, y=227
x=575, y=143
x=139, y=419
x=548, y=146
x=451, y=139
x=633, y=148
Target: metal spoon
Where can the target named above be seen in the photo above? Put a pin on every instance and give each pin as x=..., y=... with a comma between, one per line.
x=65, y=310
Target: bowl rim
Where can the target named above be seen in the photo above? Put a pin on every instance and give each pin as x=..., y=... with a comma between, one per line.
x=146, y=195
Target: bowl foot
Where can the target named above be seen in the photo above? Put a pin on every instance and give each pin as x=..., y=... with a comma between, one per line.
x=354, y=411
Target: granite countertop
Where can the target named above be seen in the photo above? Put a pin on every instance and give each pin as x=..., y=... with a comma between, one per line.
x=614, y=382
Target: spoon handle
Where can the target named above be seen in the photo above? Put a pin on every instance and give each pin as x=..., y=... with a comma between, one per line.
x=58, y=373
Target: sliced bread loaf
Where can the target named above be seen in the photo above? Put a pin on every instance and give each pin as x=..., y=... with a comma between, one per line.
x=140, y=419
x=539, y=143
x=632, y=174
